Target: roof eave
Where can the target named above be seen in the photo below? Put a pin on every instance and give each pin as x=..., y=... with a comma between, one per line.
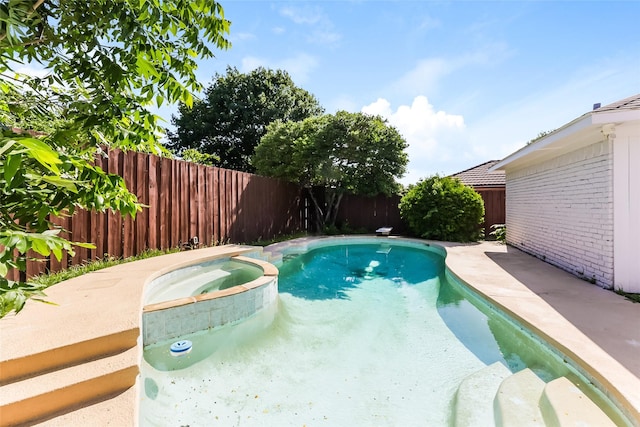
x=576, y=125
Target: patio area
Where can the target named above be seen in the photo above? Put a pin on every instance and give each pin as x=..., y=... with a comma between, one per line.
x=597, y=328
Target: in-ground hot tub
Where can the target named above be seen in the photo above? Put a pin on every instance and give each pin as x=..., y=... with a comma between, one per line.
x=200, y=279
x=207, y=295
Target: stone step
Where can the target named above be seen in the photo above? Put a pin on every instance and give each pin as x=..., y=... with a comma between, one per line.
x=516, y=403
x=565, y=405
x=473, y=403
x=28, y=365
x=43, y=396
x=117, y=411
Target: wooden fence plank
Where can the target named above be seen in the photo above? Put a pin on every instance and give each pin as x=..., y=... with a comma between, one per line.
x=153, y=200
x=202, y=206
x=80, y=222
x=165, y=188
x=194, y=200
x=141, y=223
x=55, y=265
x=222, y=204
x=174, y=205
x=184, y=203
x=99, y=230
x=114, y=220
x=129, y=173
x=209, y=202
x=215, y=206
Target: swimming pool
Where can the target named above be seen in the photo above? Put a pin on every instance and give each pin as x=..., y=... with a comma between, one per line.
x=363, y=334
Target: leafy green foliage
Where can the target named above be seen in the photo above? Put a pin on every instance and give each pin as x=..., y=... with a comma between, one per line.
x=194, y=156
x=234, y=113
x=443, y=208
x=499, y=232
x=343, y=153
x=103, y=64
x=540, y=136
x=38, y=181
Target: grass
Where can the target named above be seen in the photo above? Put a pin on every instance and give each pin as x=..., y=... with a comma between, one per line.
x=43, y=281
x=50, y=279
x=630, y=296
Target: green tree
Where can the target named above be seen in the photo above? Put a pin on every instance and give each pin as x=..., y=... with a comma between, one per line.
x=104, y=64
x=235, y=111
x=194, y=156
x=443, y=208
x=351, y=153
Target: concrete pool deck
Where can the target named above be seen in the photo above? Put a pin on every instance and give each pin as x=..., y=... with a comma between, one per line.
x=597, y=327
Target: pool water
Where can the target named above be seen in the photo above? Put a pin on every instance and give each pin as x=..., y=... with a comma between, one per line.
x=363, y=335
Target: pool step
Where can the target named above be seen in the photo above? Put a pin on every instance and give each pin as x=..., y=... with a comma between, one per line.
x=564, y=405
x=516, y=402
x=115, y=411
x=42, y=385
x=493, y=396
x=473, y=405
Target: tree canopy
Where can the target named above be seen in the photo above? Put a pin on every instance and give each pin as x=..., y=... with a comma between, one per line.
x=102, y=65
x=234, y=112
x=343, y=153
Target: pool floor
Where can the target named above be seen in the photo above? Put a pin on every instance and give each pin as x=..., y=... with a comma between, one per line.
x=382, y=356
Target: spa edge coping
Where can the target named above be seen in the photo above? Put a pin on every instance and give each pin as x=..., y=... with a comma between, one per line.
x=269, y=271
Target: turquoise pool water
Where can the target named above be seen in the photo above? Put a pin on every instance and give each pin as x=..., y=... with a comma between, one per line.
x=362, y=335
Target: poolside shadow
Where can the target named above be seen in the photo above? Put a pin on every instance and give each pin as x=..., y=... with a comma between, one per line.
x=606, y=318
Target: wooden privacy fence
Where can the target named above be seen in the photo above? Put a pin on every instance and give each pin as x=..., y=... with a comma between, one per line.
x=370, y=213
x=494, y=207
x=183, y=200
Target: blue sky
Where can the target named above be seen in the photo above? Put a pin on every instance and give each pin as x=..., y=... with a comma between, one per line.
x=463, y=81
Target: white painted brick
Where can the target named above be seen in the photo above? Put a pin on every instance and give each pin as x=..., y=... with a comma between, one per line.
x=562, y=209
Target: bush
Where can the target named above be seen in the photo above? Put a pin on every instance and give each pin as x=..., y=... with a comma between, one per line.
x=443, y=208
x=499, y=232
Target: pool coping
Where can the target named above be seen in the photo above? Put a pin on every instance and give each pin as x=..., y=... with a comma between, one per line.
x=118, y=292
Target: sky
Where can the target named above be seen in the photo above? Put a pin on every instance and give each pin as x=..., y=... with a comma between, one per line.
x=464, y=82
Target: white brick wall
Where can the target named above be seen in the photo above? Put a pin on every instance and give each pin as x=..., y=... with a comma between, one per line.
x=561, y=211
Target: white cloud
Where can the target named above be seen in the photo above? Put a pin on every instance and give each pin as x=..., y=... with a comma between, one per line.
x=429, y=23
x=428, y=73
x=424, y=77
x=321, y=29
x=242, y=36
x=303, y=15
x=433, y=136
x=299, y=66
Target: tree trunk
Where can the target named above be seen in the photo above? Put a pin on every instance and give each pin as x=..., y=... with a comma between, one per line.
x=319, y=215
x=334, y=209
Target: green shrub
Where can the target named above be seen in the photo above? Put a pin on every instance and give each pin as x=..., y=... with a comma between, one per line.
x=499, y=232
x=443, y=208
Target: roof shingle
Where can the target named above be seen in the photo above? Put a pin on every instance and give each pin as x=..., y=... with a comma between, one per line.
x=478, y=176
x=630, y=103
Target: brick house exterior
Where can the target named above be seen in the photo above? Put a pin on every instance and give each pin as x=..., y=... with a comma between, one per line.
x=573, y=196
